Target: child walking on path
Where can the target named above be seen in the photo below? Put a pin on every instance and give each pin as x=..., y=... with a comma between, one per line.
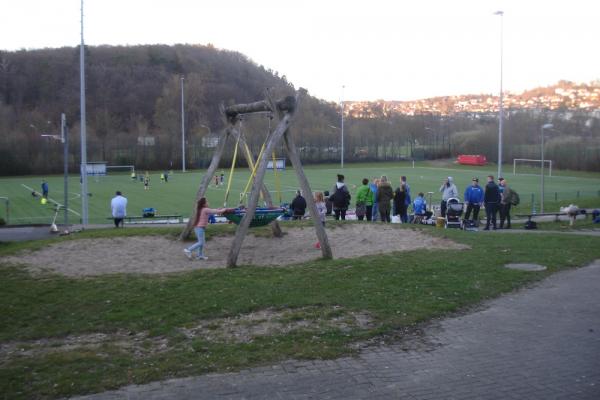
x=202, y=214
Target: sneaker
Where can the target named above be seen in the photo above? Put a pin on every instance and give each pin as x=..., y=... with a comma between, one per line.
x=187, y=253
x=202, y=258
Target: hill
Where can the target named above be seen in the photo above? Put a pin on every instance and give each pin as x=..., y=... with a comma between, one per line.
x=133, y=102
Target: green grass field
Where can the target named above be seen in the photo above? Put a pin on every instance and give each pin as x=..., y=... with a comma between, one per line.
x=176, y=196
x=143, y=316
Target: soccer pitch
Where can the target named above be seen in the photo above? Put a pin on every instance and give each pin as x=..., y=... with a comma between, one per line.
x=177, y=196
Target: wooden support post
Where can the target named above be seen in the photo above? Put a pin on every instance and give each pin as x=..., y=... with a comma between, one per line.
x=242, y=229
x=305, y=186
x=214, y=164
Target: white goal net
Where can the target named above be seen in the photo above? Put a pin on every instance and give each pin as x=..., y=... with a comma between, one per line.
x=279, y=164
x=528, y=166
x=120, y=169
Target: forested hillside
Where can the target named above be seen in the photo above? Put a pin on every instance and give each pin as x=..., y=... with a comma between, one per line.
x=134, y=115
x=133, y=103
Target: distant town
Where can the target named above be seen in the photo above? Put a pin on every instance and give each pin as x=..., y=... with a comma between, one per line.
x=562, y=96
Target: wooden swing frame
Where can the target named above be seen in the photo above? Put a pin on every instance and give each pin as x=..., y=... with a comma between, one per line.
x=283, y=111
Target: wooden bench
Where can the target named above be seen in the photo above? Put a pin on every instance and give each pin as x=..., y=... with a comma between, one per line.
x=572, y=217
x=151, y=220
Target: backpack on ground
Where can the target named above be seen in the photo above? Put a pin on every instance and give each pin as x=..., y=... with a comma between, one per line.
x=530, y=225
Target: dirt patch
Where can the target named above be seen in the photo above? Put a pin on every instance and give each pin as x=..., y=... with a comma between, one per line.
x=243, y=328
x=155, y=254
x=139, y=344
x=269, y=322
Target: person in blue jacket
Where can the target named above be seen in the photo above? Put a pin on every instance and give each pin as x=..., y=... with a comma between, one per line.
x=44, y=189
x=375, y=211
x=473, y=199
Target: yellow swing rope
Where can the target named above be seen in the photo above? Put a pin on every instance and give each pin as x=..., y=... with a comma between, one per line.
x=277, y=180
x=262, y=149
x=229, y=179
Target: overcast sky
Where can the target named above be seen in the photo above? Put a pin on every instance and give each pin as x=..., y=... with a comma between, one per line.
x=393, y=50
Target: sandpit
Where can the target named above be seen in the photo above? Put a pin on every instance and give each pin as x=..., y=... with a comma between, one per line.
x=157, y=255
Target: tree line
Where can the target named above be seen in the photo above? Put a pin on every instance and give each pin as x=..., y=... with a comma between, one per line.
x=134, y=116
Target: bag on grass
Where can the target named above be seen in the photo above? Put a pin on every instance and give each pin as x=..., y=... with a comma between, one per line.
x=530, y=225
x=361, y=209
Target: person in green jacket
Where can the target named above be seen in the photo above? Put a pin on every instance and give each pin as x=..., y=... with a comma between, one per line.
x=364, y=201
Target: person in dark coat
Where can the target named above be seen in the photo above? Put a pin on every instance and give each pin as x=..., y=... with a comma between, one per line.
x=298, y=206
x=491, y=200
x=400, y=202
x=385, y=194
x=340, y=198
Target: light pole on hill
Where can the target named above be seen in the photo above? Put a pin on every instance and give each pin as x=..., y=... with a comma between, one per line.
x=82, y=129
x=342, y=129
x=64, y=139
x=182, y=129
x=501, y=105
x=544, y=127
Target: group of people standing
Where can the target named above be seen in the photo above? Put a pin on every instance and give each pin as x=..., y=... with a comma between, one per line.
x=376, y=199
x=373, y=198
x=497, y=198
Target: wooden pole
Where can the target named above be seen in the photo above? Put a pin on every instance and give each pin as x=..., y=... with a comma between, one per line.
x=275, y=228
x=214, y=164
x=305, y=186
x=242, y=229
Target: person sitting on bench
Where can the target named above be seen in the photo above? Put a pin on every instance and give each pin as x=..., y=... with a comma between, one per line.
x=420, y=209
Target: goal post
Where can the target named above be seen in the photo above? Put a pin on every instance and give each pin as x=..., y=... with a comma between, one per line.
x=279, y=164
x=120, y=169
x=531, y=161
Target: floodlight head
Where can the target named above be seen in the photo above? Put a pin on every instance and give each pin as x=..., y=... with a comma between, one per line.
x=547, y=126
x=499, y=12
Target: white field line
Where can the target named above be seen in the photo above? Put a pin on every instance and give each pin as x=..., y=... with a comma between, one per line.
x=50, y=199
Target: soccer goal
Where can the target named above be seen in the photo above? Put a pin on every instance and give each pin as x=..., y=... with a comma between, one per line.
x=279, y=164
x=120, y=169
x=528, y=165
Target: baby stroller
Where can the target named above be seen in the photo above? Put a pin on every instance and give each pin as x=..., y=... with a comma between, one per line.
x=454, y=213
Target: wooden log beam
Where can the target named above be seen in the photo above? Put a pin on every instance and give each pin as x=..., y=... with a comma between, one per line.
x=210, y=172
x=310, y=201
x=259, y=106
x=287, y=104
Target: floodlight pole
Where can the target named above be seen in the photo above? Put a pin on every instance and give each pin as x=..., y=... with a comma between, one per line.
x=83, y=167
x=501, y=105
x=546, y=126
x=65, y=140
x=182, y=129
x=342, y=129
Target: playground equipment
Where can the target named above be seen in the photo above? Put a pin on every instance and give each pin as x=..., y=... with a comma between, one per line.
x=263, y=216
x=283, y=110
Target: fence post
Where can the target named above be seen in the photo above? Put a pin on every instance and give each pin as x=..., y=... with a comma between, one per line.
x=533, y=203
x=555, y=196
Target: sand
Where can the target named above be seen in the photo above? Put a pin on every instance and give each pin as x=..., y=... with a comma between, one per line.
x=159, y=255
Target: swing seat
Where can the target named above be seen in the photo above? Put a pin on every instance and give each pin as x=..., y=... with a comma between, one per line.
x=262, y=216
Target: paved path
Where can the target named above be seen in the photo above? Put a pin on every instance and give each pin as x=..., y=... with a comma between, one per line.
x=538, y=343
